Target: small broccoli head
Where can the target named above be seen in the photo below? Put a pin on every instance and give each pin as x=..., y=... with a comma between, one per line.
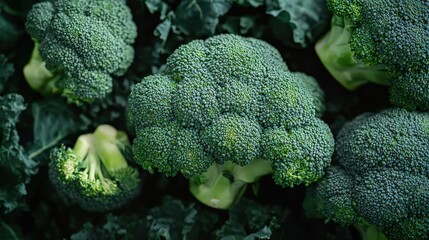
x=382, y=175
x=226, y=111
x=95, y=173
x=84, y=43
x=380, y=41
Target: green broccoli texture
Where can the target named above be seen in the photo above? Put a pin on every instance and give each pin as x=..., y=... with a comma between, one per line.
x=226, y=111
x=95, y=173
x=383, y=41
x=381, y=177
x=79, y=46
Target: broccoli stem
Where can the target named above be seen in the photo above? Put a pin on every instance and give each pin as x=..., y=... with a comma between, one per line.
x=336, y=55
x=370, y=232
x=94, y=166
x=101, y=150
x=108, y=147
x=38, y=76
x=222, y=185
x=91, y=162
x=82, y=145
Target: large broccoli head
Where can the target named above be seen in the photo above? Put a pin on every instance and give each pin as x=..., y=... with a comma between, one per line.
x=382, y=175
x=380, y=41
x=95, y=173
x=82, y=43
x=226, y=111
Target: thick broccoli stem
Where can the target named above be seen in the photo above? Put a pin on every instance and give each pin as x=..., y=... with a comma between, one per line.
x=336, y=55
x=222, y=185
x=101, y=150
x=108, y=143
x=83, y=148
x=38, y=76
x=370, y=232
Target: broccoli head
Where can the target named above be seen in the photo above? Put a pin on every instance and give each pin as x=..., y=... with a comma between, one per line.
x=95, y=173
x=381, y=41
x=381, y=177
x=79, y=45
x=224, y=112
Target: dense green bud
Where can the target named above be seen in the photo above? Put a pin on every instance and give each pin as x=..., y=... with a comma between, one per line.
x=156, y=88
x=233, y=138
x=298, y=155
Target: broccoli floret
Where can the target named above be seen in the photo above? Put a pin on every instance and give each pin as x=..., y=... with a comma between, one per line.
x=79, y=46
x=95, y=173
x=224, y=112
x=316, y=91
x=381, y=178
x=381, y=41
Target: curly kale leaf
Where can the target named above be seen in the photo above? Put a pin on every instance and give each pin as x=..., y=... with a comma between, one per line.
x=6, y=70
x=15, y=166
x=304, y=20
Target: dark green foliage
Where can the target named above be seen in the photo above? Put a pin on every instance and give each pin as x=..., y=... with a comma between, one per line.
x=298, y=22
x=6, y=70
x=54, y=120
x=9, y=30
x=6, y=232
x=15, y=166
x=173, y=219
x=250, y=220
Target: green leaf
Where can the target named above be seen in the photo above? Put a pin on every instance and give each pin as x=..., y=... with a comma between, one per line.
x=6, y=70
x=54, y=119
x=7, y=233
x=15, y=166
x=264, y=233
x=153, y=5
x=298, y=21
x=163, y=29
x=200, y=17
x=253, y=3
x=9, y=31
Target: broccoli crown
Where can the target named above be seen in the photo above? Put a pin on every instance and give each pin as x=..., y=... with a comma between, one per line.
x=390, y=32
x=382, y=175
x=95, y=173
x=83, y=41
x=380, y=41
x=229, y=99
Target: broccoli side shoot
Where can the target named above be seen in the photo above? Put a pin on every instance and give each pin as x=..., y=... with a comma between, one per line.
x=226, y=111
x=381, y=180
x=95, y=173
x=382, y=41
x=79, y=46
